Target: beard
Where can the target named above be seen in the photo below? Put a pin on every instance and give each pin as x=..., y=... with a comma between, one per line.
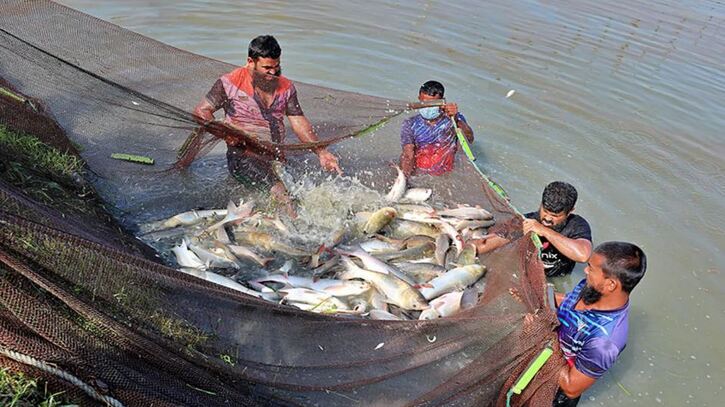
x=589, y=295
x=266, y=83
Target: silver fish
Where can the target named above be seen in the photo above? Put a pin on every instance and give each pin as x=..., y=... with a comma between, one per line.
x=398, y=189
x=415, y=252
x=188, y=218
x=421, y=272
x=383, y=315
x=210, y=258
x=474, y=224
x=234, y=214
x=453, y=234
x=403, y=228
x=456, y=279
x=398, y=292
x=443, y=242
x=187, y=258
x=417, y=194
x=312, y=297
x=466, y=212
x=244, y=252
x=220, y=280
x=372, y=263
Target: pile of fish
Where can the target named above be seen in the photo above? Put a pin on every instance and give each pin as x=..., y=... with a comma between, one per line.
x=403, y=259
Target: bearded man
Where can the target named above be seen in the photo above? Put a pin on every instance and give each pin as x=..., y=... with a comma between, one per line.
x=256, y=98
x=595, y=317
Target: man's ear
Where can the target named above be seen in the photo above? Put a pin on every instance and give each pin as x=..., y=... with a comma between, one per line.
x=613, y=284
x=250, y=61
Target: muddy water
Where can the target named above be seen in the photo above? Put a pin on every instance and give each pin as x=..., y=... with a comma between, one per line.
x=624, y=101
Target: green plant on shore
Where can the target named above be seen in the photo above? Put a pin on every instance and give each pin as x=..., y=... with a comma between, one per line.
x=40, y=154
x=18, y=390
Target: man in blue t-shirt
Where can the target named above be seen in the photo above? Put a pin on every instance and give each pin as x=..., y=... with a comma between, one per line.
x=594, y=317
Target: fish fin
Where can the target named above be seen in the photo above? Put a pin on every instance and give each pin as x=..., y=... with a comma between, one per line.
x=423, y=285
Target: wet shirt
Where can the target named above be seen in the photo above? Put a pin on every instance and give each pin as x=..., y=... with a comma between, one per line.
x=591, y=340
x=435, y=145
x=556, y=263
x=244, y=109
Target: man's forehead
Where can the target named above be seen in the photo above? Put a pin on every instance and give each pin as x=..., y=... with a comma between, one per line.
x=550, y=213
x=268, y=62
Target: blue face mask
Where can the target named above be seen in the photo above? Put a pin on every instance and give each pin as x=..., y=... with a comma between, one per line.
x=430, y=113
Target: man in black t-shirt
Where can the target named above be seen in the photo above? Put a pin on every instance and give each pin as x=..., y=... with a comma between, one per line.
x=566, y=237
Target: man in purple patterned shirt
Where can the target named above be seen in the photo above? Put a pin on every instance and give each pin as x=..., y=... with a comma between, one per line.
x=595, y=317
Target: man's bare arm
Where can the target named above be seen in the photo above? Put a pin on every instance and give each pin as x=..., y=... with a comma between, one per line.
x=304, y=131
x=578, y=250
x=204, y=112
x=488, y=243
x=573, y=382
x=407, y=159
x=466, y=129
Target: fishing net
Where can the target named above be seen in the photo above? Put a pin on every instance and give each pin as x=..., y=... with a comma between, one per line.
x=85, y=306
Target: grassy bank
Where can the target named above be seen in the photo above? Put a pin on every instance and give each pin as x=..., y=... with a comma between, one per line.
x=43, y=172
x=17, y=390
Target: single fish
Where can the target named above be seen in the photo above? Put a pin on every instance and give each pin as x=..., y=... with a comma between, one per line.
x=234, y=214
x=312, y=297
x=417, y=194
x=467, y=256
x=421, y=217
x=377, y=245
x=359, y=304
x=453, y=234
x=456, y=279
x=211, y=259
x=244, y=252
x=267, y=242
x=188, y=218
x=417, y=240
x=428, y=314
x=466, y=212
x=398, y=189
x=443, y=242
x=403, y=228
x=324, y=307
x=220, y=280
x=383, y=315
x=187, y=258
x=221, y=235
x=474, y=224
x=410, y=253
x=281, y=173
x=372, y=263
x=377, y=300
x=421, y=272
x=379, y=220
x=447, y=304
x=398, y=292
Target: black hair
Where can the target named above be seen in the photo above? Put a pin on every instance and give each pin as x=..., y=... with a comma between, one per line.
x=264, y=46
x=559, y=197
x=624, y=261
x=433, y=88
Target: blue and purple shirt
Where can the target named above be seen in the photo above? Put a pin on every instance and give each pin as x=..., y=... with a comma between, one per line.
x=435, y=145
x=591, y=339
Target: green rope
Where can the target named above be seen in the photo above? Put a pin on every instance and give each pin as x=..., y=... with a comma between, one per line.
x=501, y=192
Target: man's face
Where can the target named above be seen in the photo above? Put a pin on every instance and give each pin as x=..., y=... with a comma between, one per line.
x=265, y=73
x=552, y=220
x=598, y=284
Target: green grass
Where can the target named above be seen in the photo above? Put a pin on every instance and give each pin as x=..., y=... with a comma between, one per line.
x=41, y=155
x=42, y=172
x=18, y=390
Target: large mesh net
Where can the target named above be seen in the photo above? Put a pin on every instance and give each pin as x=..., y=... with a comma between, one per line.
x=78, y=295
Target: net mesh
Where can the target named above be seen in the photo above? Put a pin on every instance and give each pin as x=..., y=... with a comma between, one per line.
x=79, y=294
